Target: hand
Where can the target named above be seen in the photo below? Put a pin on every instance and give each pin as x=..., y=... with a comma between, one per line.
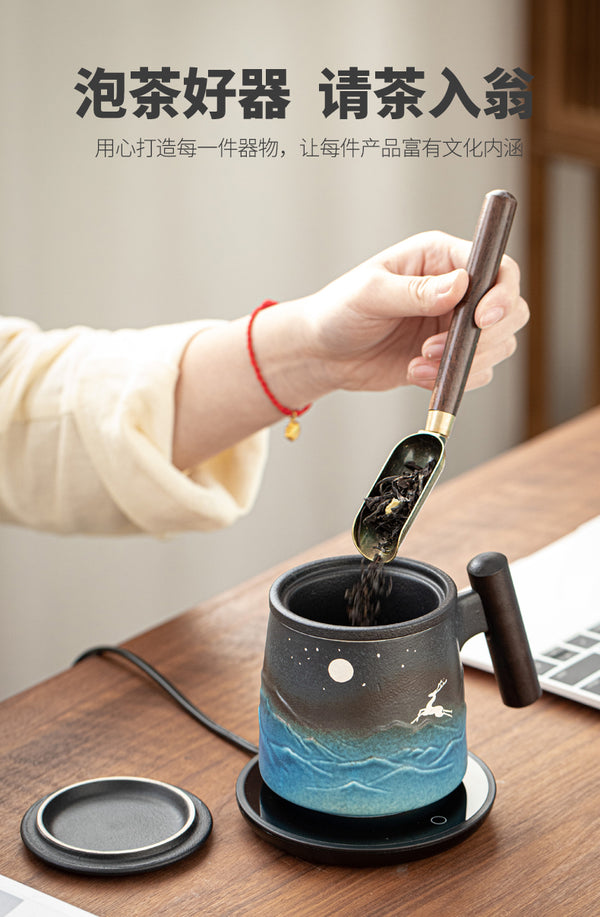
x=384, y=323
x=381, y=325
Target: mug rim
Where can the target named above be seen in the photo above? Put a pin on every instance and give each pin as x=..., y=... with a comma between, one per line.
x=304, y=572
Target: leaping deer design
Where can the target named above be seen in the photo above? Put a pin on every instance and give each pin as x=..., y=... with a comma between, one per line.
x=431, y=708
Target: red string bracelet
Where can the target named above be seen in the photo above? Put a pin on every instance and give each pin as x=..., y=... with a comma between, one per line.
x=292, y=431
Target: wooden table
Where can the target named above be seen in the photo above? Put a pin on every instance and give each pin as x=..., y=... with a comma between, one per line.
x=537, y=853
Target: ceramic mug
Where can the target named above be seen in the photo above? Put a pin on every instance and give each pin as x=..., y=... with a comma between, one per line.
x=371, y=721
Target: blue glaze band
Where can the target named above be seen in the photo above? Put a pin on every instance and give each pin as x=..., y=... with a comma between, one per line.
x=399, y=768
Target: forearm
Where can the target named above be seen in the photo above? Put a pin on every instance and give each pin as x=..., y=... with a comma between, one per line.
x=219, y=400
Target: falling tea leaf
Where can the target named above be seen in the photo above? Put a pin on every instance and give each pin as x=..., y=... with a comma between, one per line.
x=384, y=512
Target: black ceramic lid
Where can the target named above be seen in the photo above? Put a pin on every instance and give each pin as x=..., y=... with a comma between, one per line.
x=116, y=825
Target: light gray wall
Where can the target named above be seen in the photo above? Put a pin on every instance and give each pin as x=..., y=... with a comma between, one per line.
x=121, y=242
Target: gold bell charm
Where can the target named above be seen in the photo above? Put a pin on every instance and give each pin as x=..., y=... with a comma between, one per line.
x=292, y=431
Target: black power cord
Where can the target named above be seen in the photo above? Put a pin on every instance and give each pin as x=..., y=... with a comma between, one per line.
x=173, y=692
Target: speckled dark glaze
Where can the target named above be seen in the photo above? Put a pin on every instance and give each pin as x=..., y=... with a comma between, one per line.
x=365, y=721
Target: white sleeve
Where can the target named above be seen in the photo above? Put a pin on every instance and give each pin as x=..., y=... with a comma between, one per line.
x=86, y=425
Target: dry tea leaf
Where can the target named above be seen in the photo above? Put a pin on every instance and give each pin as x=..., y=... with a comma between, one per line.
x=388, y=509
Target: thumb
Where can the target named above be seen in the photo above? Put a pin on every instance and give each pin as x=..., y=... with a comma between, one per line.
x=433, y=294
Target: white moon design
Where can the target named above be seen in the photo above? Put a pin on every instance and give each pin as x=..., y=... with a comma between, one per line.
x=340, y=670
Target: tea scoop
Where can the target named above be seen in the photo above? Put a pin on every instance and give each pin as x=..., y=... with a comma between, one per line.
x=415, y=464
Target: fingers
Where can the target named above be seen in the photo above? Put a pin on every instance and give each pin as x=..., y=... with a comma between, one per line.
x=432, y=252
x=393, y=296
x=501, y=313
x=424, y=375
x=427, y=286
x=496, y=343
x=503, y=299
x=512, y=320
x=423, y=370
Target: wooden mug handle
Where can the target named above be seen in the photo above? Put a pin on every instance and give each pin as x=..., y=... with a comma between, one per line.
x=514, y=667
x=489, y=243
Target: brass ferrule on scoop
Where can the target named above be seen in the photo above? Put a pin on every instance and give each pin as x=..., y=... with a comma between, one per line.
x=439, y=422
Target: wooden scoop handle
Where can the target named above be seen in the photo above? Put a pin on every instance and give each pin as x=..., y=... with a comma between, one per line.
x=489, y=242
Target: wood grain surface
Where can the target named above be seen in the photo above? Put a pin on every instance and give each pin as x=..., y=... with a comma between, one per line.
x=535, y=854
x=489, y=243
